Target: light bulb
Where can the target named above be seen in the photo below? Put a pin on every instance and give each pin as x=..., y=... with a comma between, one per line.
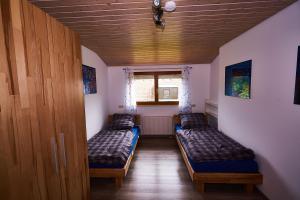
x=170, y=6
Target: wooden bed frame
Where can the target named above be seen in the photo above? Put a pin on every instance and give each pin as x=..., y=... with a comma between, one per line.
x=117, y=173
x=200, y=178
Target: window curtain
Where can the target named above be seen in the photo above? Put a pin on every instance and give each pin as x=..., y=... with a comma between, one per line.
x=130, y=103
x=185, y=104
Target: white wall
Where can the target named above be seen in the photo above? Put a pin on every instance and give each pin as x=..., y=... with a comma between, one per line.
x=214, y=80
x=269, y=123
x=95, y=104
x=199, y=81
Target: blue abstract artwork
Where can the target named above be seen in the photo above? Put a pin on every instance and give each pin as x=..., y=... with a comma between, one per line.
x=297, y=84
x=238, y=80
x=89, y=79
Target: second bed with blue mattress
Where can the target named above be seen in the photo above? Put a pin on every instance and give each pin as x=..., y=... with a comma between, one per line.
x=209, y=150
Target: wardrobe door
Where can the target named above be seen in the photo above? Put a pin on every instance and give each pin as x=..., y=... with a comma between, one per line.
x=58, y=60
x=22, y=168
x=39, y=70
x=65, y=56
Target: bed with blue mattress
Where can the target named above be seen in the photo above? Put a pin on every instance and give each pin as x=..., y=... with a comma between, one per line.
x=213, y=157
x=243, y=164
x=111, y=150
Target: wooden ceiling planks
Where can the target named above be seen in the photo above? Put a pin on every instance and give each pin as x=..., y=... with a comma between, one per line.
x=122, y=32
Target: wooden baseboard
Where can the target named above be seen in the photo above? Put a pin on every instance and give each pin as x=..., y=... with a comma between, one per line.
x=201, y=178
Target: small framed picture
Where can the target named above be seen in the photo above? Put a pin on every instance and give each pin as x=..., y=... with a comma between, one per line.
x=89, y=79
x=238, y=80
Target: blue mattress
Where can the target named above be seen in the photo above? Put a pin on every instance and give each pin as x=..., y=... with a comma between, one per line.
x=136, y=133
x=237, y=166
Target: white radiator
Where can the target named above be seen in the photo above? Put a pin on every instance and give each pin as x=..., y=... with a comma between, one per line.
x=157, y=125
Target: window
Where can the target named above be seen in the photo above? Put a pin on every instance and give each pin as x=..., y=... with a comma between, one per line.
x=144, y=88
x=157, y=88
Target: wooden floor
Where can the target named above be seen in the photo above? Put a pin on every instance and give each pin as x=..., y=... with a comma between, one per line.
x=158, y=172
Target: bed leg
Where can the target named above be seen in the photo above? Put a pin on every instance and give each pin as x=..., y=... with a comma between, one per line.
x=119, y=181
x=200, y=186
x=249, y=188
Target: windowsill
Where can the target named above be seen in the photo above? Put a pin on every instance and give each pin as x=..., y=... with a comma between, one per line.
x=163, y=103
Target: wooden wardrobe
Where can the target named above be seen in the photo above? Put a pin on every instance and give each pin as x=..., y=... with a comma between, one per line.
x=43, y=147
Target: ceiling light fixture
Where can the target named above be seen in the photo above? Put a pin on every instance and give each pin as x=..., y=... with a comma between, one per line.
x=157, y=14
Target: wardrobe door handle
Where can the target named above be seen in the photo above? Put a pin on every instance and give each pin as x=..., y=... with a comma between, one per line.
x=54, y=155
x=63, y=149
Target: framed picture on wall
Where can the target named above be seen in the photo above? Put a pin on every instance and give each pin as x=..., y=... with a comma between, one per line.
x=89, y=79
x=297, y=82
x=238, y=80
